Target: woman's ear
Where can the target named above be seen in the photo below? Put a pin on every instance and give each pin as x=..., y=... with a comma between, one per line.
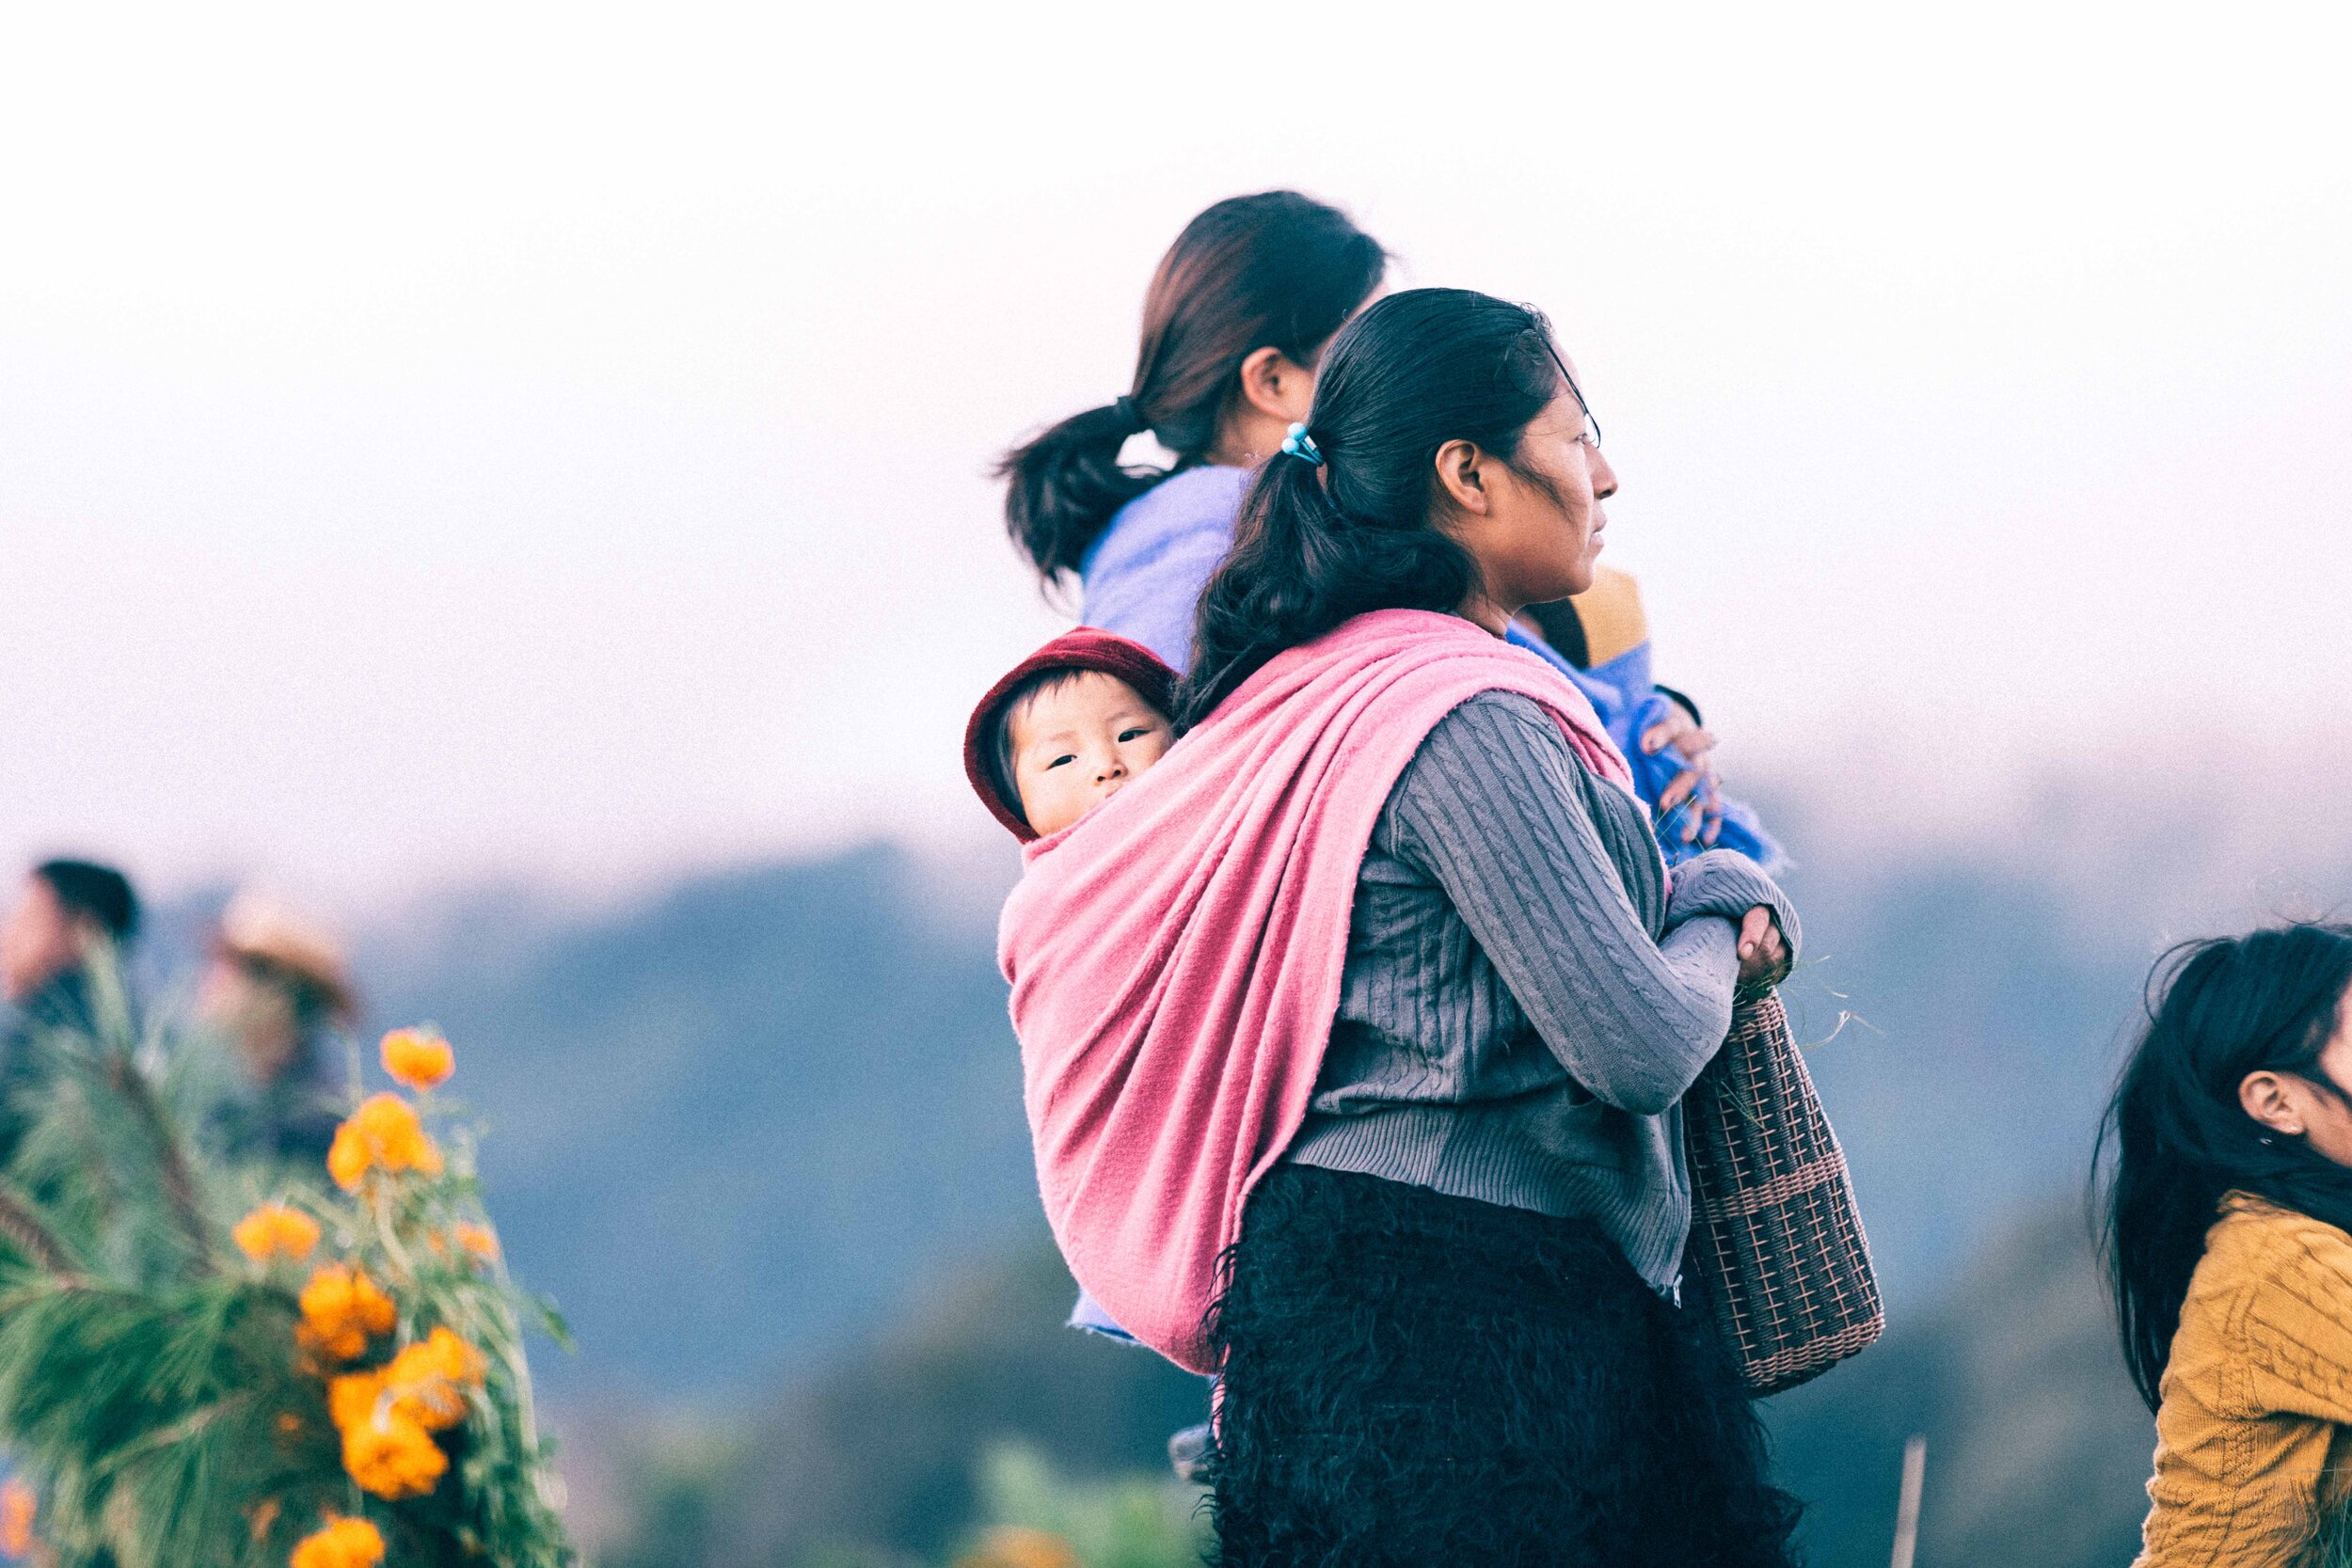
x=2269, y=1097
x=1461, y=476
x=1276, y=386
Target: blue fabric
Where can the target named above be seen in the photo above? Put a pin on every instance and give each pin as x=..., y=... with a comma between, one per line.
x=1089, y=1314
x=1143, y=579
x=1627, y=697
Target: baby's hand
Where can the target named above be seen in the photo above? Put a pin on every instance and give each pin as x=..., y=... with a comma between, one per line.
x=1696, y=784
x=1763, y=956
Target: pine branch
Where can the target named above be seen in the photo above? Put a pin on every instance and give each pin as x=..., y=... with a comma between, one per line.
x=171, y=1160
x=189, y=1425
x=21, y=1225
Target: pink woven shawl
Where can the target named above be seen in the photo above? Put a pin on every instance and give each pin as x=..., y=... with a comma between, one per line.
x=1175, y=956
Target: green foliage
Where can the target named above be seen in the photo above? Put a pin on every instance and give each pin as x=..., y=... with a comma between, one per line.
x=1133, y=1521
x=880, y=1447
x=680, y=1479
x=152, y=1379
x=148, y=1412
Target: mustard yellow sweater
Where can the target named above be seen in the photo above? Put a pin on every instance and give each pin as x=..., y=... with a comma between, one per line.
x=2256, y=1395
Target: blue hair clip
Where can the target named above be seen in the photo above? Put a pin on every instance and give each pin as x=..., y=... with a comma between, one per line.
x=1299, y=444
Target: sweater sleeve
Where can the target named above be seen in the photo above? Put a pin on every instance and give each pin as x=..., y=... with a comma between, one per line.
x=1727, y=884
x=1490, y=808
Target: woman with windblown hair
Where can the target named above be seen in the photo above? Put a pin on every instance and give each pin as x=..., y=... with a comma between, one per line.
x=1354, y=1033
x=2229, y=1232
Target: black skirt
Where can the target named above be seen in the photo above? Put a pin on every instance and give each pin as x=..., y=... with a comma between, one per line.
x=1417, y=1379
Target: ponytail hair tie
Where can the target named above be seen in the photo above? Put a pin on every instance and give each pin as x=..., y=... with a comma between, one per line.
x=1131, y=416
x=1301, y=445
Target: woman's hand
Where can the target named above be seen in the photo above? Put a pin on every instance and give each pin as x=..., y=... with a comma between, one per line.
x=1704, y=822
x=1763, y=956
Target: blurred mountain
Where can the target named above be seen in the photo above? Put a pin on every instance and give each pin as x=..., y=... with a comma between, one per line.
x=1970, y=1025
x=735, y=1123
x=879, y=1449
x=2038, y=1450
x=741, y=1124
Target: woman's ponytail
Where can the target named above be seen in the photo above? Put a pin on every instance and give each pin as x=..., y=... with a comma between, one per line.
x=1062, y=489
x=1275, y=270
x=1349, y=526
x=1298, y=567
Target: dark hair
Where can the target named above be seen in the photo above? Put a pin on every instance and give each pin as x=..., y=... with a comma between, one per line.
x=1274, y=270
x=94, y=892
x=1563, y=628
x=1318, y=544
x=2229, y=1006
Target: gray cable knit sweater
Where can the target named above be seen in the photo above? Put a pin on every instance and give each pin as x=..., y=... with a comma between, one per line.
x=1524, y=1007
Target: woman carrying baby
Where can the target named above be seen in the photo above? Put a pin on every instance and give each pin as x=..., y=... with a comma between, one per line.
x=1354, y=1033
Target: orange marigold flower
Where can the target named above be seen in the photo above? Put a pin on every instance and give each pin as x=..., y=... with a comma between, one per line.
x=421, y=1060
x=1012, y=1546
x=351, y=1399
x=382, y=1135
x=393, y=1456
x=343, y=1543
x=346, y=1158
x=274, y=1229
x=428, y=1380
x=480, y=1240
x=341, y=1308
x=17, y=1508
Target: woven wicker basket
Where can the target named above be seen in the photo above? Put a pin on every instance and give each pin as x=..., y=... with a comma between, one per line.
x=1776, y=1250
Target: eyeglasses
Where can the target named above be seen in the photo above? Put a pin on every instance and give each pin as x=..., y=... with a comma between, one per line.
x=1590, y=435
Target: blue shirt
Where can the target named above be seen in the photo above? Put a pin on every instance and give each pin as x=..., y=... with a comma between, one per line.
x=1143, y=577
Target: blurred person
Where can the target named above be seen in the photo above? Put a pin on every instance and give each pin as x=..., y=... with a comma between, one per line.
x=68, y=913
x=1354, y=1049
x=1234, y=324
x=278, y=992
x=2228, y=1218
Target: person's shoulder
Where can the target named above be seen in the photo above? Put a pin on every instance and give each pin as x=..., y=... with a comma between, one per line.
x=1207, y=482
x=1205, y=500
x=2254, y=1227
x=1185, y=523
x=2257, y=1247
x=1494, y=744
x=1497, y=709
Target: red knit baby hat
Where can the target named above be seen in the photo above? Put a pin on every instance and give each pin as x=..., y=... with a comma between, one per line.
x=1083, y=649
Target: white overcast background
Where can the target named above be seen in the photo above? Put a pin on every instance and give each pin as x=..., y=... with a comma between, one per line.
x=439, y=444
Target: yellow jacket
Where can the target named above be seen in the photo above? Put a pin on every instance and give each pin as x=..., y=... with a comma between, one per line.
x=2256, y=1395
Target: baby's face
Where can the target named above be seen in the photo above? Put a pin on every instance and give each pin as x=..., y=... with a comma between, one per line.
x=1080, y=743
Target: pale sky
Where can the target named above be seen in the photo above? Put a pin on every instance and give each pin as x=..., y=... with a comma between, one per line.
x=550, y=442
